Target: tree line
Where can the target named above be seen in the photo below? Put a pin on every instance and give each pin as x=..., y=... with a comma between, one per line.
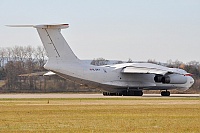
x=18, y=61
x=21, y=70
x=21, y=59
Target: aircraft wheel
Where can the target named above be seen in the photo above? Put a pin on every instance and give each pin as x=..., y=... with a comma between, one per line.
x=141, y=93
x=165, y=93
x=117, y=94
x=168, y=93
x=112, y=94
x=105, y=93
x=132, y=93
x=138, y=93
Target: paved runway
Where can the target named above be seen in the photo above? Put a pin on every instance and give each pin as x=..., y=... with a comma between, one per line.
x=65, y=95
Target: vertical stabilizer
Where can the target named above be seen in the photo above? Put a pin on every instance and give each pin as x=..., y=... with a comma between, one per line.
x=54, y=43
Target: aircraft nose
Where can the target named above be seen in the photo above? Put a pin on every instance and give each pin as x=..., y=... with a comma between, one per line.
x=191, y=81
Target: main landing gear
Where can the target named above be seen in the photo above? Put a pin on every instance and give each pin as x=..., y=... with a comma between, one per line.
x=165, y=93
x=112, y=94
x=125, y=93
x=132, y=93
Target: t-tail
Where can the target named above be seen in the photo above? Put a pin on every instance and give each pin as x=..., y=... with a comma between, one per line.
x=54, y=43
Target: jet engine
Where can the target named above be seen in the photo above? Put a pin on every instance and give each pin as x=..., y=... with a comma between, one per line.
x=171, y=79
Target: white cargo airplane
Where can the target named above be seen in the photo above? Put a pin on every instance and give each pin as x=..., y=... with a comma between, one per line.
x=127, y=79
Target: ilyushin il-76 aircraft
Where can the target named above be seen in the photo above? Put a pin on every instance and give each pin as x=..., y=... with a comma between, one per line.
x=127, y=79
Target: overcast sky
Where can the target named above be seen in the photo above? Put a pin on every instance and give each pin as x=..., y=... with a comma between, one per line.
x=112, y=29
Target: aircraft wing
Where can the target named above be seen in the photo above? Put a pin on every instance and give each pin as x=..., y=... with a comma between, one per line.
x=144, y=70
x=147, y=68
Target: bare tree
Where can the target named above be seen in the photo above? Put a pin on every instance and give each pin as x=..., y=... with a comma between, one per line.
x=99, y=62
x=29, y=51
x=174, y=64
x=8, y=53
x=194, y=68
x=19, y=53
x=193, y=63
x=118, y=62
x=2, y=57
x=129, y=60
x=152, y=61
x=13, y=69
x=40, y=56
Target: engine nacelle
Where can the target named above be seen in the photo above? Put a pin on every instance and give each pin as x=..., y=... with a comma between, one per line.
x=158, y=78
x=171, y=79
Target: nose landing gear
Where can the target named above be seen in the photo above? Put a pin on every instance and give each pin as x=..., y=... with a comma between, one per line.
x=165, y=93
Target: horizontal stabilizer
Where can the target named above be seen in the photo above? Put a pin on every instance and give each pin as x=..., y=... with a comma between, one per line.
x=45, y=26
x=20, y=25
x=49, y=73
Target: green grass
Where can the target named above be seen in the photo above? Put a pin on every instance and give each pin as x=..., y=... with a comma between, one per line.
x=100, y=115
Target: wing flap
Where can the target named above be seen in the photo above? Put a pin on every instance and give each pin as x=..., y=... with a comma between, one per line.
x=143, y=70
